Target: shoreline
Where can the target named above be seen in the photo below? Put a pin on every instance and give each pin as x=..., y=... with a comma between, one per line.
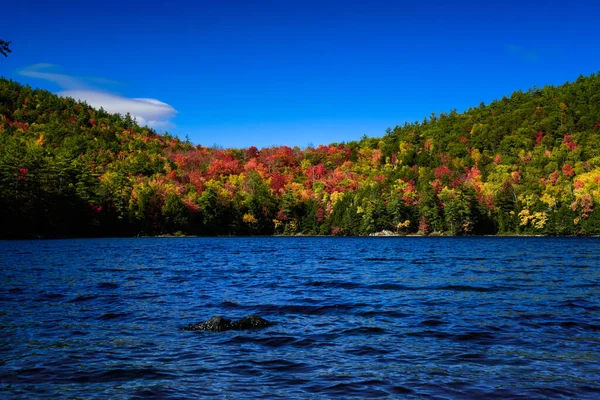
x=373, y=235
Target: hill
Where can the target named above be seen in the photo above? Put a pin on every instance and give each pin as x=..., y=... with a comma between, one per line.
x=528, y=164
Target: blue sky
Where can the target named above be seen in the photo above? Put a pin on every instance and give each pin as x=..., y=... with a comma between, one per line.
x=242, y=73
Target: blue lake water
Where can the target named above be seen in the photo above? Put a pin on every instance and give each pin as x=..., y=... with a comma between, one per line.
x=354, y=318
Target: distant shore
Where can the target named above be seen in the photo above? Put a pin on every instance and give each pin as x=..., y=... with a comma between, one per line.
x=375, y=235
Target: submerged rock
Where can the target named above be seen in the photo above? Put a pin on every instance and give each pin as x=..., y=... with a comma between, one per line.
x=220, y=324
x=215, y=324
x=250, y=322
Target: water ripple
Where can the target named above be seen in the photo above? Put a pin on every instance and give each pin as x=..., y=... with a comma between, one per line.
x=353, y=318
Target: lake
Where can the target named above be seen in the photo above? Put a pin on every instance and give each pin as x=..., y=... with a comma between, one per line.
x=492, y=317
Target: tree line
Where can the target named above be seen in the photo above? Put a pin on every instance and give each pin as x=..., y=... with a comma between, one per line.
x=524, y=164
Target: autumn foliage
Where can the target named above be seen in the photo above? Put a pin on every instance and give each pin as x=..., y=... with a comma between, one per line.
x=525, y=164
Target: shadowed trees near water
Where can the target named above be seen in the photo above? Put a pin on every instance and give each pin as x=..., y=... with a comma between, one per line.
x=524, y=164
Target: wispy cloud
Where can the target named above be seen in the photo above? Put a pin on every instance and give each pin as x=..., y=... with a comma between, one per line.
x=151, y=112
x=44, y=71
x=522, y=53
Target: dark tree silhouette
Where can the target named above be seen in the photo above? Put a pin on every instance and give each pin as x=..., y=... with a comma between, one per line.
x=4, y=50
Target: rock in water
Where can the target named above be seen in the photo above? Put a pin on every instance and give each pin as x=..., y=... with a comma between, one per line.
x=215, y=324
x=220, y=324
x=252, y=321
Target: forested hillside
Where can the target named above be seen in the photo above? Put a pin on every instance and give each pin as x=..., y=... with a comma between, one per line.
x=528, y=164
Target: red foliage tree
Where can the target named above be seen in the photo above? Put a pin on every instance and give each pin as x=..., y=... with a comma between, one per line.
x=442, y=172
x=568, y=170
x=539, y=137
x=569, y=142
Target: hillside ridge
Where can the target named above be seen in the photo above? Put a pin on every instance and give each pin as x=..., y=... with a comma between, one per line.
x=524, y=164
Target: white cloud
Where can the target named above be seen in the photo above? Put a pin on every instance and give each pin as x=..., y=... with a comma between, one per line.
x=151, y=112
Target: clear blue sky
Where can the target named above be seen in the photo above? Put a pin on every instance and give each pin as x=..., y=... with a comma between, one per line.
x=242, y=73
